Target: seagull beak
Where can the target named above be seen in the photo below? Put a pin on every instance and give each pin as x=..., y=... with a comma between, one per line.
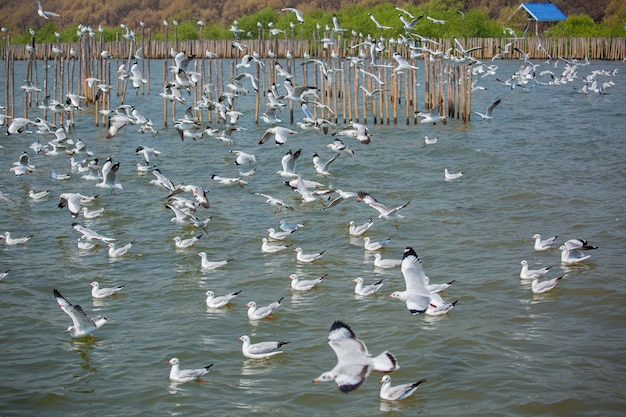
x=316, y=380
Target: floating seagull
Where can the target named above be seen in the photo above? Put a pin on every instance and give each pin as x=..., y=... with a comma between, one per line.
x=451, y=176
x=206, y=264
x=267, y=247
x=416, y=296
x=526, y=273
x=217, y=302
x=543, y=244
x=82, y=324
x=379, y=262
x=10, y=241
x=304, y=285
x=91, y=214
x=372, y=246
x=436, y=288
x=573, y=255
x=361, y=289
x=185, y=243
x=307, y=257
x=438, y=307
x=428, y=141
x=261, y=350
x=398, y=392
x=185, y=375
x=488, y=115
x=354, y=363
x=278, y=234
x=258, y=313
x=98, y=292
x=358, y=230
x=119, y=252
x=539, y=287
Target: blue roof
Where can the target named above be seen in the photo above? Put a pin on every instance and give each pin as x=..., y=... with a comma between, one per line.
x=544, y=12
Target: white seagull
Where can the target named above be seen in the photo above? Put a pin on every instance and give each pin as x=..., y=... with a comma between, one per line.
x=280, y=135
x=307, y=257
x=298, y=284
x=361, y=289
x=267, y=247
x=449, y=176
x=206, y=264
x=10, y=241
x=379, y=262
x=539, y=287
x=354, y=363
x=385, y=212
x=82, y=324
x=368, y=244
x=185, y=375
x=98, y=292
x=89, y=234
x=258, y=313
x=488, y=115
x=543, y=244
x=526, y=273
x=217, y=302
x=181, y=243
x=119, y=252
x=398, y=392
x=416, y=296
x=358, y=230
x=261, y=350
x=45, y=13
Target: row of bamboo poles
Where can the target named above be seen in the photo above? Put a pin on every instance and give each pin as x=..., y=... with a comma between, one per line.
x=398, y=98
x=343, y=93
x=611, y=49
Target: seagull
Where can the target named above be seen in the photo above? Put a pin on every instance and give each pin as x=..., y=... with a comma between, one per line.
x=578, y=244
x=409, y=24
x=206, y=264
x=288, y=163
x=44, y=13
x=543, y=244
x=434, y=115
x=261, y=350
x=436, y=21
x=244, y=158
x=428, y=141
x=526, y=273
x=279, y=234
x=10, y=241
x=308, y=257
x=354, y=363
x=280, y=135
x=4, y=274
x=290, y=226
x=217, y=302
x=322, y=168
x=91, y=214
x=147, y=153
x=539, y=287
x=402, y=63
x=89, y=234
x=109, y=177
x=416, y=296
x=451, y=176
x=385, y=212
x=379, y=262
x=298, y=13
x=119, y=252
x=82, y=324
x=488, y=115
x=398, y=392
x=181, y=243
x=361, y=289
x=278, y=203
x=378, y=25
x=267, y=247
x=258, y=313
x=185, y=375
x=358, y=230
x=97, y=292
x=372, y=246
x=570, y=255
x=304, y=285
x=371, y=94
x=73, y=201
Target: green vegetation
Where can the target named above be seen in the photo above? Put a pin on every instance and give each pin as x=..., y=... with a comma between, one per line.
x=475, y=22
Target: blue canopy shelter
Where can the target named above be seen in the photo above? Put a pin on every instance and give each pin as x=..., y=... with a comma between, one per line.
x=542, y=12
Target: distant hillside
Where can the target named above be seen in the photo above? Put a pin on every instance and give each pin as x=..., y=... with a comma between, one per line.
x=18, y=15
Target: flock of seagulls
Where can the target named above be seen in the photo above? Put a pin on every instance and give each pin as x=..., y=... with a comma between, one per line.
x=353, y=361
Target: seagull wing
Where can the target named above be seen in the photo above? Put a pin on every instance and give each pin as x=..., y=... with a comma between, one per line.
x=493, y=106
x=415, y=280
x=76, y=313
